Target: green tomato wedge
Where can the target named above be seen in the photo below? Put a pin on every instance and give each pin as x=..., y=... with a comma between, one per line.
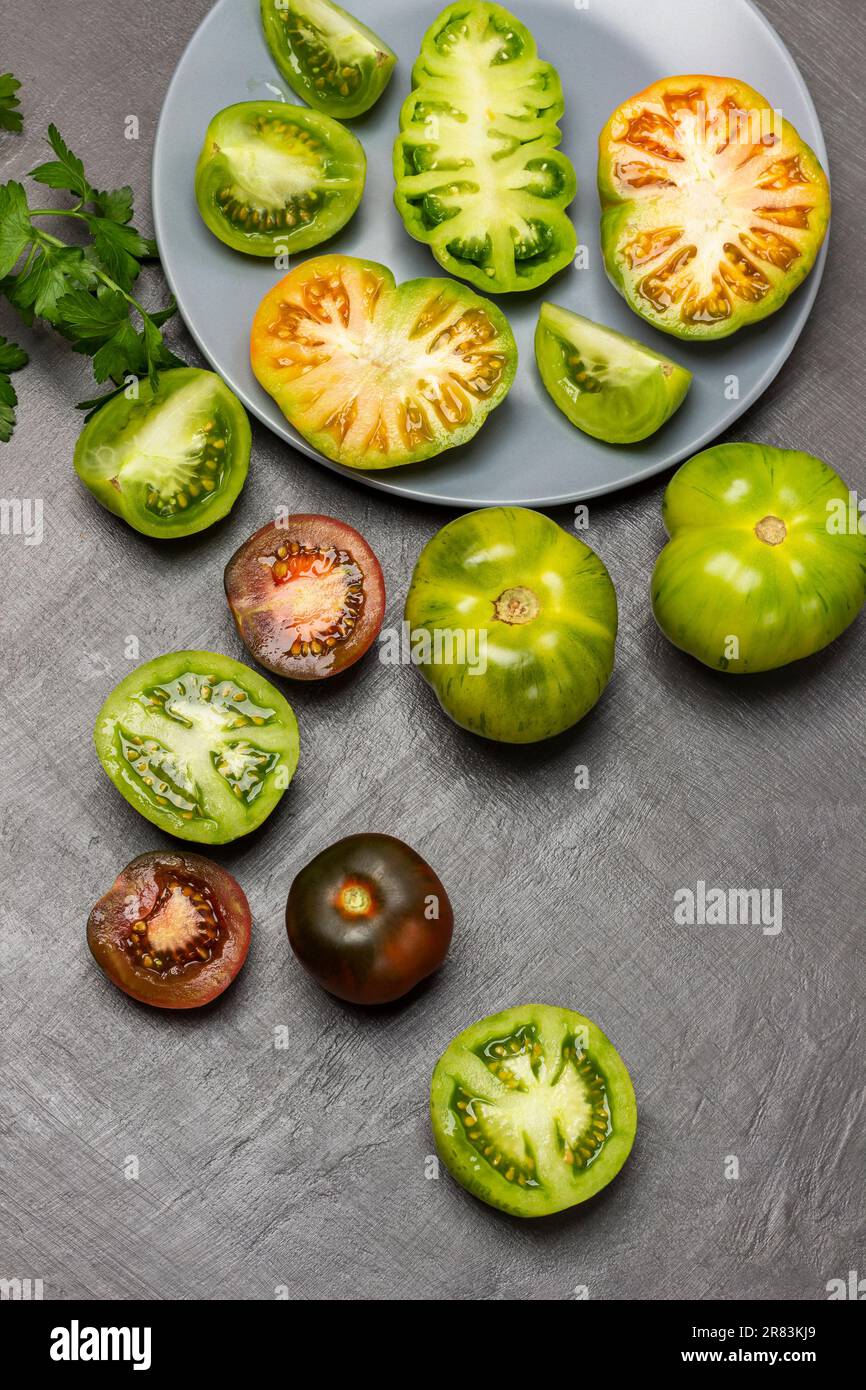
x=333, y=61
x=199, y=744
x=513, y=623
x=533, y=1109
x=606, y=384
x=171, y=461
x=766, y=561
x=375, y=374
x=479, y=176
x=274, y=178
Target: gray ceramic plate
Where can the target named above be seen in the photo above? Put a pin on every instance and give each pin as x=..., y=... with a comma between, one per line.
x=527, y=452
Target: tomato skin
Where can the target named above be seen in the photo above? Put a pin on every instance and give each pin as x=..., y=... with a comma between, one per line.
x=121, y=477
x=630, y=208
x=782, y=598
x=170, y=735
x=319, y=339
x=253, y=595
x=530, y=237
x=359, y=919
x=630, y=391
x=554, y=1186
x=267, y=128
x=132, y=897
x=538, y=675
x=347, y=41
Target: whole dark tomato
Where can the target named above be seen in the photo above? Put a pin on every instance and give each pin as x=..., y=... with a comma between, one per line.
x=172, y=931
x=368, y=918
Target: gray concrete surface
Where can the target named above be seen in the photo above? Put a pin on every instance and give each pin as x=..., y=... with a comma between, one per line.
x=305, y=1167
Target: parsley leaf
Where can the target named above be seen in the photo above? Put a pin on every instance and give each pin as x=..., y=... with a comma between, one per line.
x=66, y=171
x=12, y=358
x=10, y=116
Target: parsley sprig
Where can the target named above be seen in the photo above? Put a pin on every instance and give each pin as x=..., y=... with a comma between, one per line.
x=83, y=290
x=10, y=116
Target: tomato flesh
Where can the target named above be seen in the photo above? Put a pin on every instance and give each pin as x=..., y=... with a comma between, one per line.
x=275, y=179
x=376, y=375
x=199, y=744
x=307, y=595
x=608, y=385
x=479, y=176
x=368, y=918
x=332, y=60
x=766, y=561
x=533, y=1109
x=513, y=623
x=172, y=461
x=173, y=930
x=713, y=208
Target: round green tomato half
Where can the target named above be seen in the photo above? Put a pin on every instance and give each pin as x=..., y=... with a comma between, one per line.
x=199, y=744
x=172, y=461
x=766, y=561
x=533, y=1109
x=333, y=61
x=610, y=386
x=479, y=176
x=274, y=178
x=513, y=623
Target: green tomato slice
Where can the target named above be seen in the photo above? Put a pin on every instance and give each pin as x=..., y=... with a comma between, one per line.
x=199, y=744
x=479, y=177
x=533, y=1109
x=171, y=461
x=375, y=374
x=713, y=207
x=333, y=61
x=610, y=386
x=513, y=623
x=766, y=561
x=274, y=178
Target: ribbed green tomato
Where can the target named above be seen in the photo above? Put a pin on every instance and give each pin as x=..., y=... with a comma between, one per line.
x=766, y=562
x=513, y=623
x=479, y=177
x=275, y=178
x=606, y=384
x=332, y=60
x=533, y=1109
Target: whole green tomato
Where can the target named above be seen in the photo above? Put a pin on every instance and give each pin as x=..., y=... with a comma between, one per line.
x=766, y=561
x=513, y=622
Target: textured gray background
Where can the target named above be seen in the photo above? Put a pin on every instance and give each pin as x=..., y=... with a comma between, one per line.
x=306, y=1167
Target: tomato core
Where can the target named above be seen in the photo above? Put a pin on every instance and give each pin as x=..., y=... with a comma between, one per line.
x=772, y=530
x=355, y=899
x=181, y=928
x=516, y=606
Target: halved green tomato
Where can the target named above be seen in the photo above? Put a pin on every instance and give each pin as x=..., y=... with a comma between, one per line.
x=713, y=208
x=610, y=386
x=327, y=56
x=767, y=558
x=199, y=744
x=375, y=374
x=533, y=1109
x=170, y=462
x=479, y=177
x=513, y=623
x=275, y=178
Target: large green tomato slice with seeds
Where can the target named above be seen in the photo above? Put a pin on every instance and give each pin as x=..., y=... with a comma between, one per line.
x=766, y=561
x=171, y=461
x=375, y=374
x=199, y=744
x=479, y=176
x=513, y=623
x=333, y=61
x=533, y=1109
x=608, y=385
x=273, y=178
